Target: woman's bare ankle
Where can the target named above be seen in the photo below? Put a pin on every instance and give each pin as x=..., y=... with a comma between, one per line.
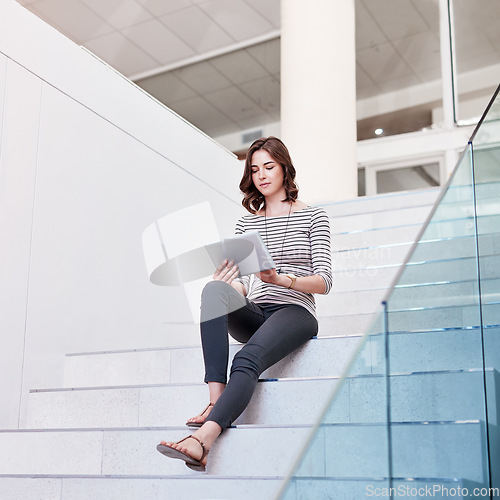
x=208, y=433
x=215, y=390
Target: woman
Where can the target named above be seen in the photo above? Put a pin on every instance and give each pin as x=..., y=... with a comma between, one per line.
x=273, y=312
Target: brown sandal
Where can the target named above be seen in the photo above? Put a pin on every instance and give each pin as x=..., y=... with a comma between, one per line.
x=191, y=462
x=199, y=424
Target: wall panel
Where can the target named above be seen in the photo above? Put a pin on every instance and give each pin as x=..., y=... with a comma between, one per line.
x=114, y=97
x=88, y=161
x=21, y=115
x=3, y=74
x=97, y=190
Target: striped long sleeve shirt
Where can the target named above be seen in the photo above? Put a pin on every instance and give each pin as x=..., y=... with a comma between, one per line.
x=299, y=244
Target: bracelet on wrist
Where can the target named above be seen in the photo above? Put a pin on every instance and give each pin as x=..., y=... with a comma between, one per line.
x=293, y=279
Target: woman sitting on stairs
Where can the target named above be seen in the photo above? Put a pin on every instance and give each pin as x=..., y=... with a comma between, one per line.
x=272, y=312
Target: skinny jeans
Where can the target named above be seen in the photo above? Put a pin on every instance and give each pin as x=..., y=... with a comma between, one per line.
x=269, y=331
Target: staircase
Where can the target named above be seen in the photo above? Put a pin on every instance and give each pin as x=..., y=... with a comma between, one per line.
x=96, y=436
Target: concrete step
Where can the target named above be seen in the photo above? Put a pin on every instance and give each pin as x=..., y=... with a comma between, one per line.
x=298, y=402
x=182, y=488
x=455, y=207
x=383, y=202
x=367, y=258
x=435, y=396
x=490, y=294
x=406, y=234
x=445, y=395
x=451, y=270
x=412, y=320
x=388, y=218
x=456, y=247
x=185, y=365
x=346, y=324
x=137, y=488
x=338, y=451
x=239, y=452
x=358, y=280
x=451, y=260
x=416, y=272
x=484, y=191
x=430, y=450
x=355, y=489
x=452, y=228
x=436, y=293
x=459, y=349
x=400, y=235
x=320, y=357
x=350, y=302
x=432, y=318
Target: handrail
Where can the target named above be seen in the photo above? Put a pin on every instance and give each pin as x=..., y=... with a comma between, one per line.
x=487, y=110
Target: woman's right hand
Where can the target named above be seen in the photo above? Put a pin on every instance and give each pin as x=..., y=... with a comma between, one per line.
x=227, y=271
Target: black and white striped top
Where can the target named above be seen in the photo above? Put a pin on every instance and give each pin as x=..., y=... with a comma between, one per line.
x=306, y=251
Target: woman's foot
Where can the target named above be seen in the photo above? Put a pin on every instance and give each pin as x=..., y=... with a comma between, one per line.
x=199, y=420
x=190, y=449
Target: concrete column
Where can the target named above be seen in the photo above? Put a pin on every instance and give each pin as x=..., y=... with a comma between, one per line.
x=318, y=96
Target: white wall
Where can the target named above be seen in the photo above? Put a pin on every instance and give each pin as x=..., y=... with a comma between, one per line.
x=87, y=161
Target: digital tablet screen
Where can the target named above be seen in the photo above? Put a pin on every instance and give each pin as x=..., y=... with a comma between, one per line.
x=247, y=250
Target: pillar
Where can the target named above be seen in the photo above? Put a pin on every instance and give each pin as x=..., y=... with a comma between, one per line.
x=318, y=96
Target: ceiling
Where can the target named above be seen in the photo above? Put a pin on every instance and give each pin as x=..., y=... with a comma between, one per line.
x=217, y=62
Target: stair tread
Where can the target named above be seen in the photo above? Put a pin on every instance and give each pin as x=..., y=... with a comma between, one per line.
x=241, y=427
x=358, y=399
x=260, y=381
x=132, y=451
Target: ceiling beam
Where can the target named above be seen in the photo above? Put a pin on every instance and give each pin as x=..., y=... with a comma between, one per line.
x=272, y=35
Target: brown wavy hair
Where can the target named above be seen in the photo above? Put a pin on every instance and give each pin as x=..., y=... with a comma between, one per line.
x=253, y=199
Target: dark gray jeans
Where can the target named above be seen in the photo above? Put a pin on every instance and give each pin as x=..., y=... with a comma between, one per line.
x=269, y=331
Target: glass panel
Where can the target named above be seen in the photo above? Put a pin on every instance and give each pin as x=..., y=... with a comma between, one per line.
x=398, y=67
x=477, y=53
x=347, y=453
x=418, y=410
x=435, y=355
x=486, y=146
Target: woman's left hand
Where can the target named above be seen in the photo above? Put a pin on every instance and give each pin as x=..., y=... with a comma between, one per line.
x=307, y=284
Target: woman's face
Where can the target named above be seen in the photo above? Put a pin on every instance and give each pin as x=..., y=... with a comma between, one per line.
x=267, y=174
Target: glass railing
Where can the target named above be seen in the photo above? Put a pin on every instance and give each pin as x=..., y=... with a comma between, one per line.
x=347, y=451
x=424, y=417
x=486, y=169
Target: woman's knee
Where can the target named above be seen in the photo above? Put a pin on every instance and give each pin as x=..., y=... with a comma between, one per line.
x=215, y=290
x=247, y=362
x=215, y=287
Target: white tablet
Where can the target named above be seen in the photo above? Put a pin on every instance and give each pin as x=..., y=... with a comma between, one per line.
x=246, y=249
